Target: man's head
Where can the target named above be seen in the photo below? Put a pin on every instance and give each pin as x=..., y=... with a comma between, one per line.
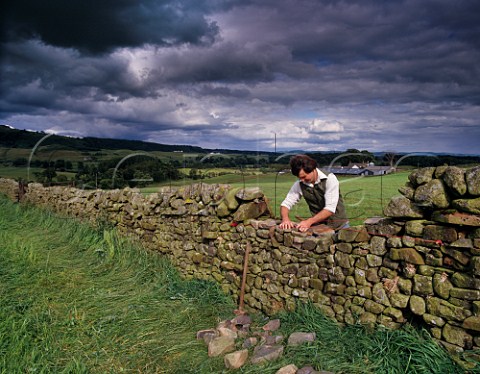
x=303, y=167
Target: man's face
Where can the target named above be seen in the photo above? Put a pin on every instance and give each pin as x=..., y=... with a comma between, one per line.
x=307, y=177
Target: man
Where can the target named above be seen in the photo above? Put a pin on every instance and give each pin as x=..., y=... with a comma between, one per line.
x=322, y=194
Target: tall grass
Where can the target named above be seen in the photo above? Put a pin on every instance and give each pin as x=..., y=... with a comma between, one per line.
x=362, y=349
x=75, y=300
x=78, y=300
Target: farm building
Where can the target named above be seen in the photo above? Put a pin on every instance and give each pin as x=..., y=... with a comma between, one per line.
x=369, y=170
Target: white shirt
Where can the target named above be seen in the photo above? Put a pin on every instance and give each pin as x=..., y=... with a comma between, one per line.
x=332, y=189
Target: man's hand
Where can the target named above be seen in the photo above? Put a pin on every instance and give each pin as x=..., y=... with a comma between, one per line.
x=287, y=224
x=304, y=225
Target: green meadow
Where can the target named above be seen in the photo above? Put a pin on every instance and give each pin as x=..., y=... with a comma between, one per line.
x=18, y=173
x=81, y=299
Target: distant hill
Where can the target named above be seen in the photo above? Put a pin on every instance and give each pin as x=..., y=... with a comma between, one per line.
x=14, y=138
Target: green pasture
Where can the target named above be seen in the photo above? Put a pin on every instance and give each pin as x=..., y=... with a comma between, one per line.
x=18, y=172
x=52, y=152
x=24, y=173
x=365, y=197
x=77, y=299
x=43, y=153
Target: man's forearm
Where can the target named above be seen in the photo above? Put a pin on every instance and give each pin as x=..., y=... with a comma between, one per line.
x=284, y=213
x=321, y=216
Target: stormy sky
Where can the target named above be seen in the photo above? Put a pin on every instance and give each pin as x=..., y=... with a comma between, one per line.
x=401, y=76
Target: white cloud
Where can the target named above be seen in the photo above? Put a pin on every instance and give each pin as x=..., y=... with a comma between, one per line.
x=318, y=126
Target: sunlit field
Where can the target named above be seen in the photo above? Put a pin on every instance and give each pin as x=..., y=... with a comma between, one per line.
x=18, y=172
x=364, y=197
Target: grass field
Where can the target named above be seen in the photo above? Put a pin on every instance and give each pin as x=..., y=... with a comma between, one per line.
x=24, y=173
x=78, y=300
x=52, y=152
x=364, y=197
x=17, y=172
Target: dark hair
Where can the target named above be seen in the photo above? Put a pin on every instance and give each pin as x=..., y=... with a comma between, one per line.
x=300, y=162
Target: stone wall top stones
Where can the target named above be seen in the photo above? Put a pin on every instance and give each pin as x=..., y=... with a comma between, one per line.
x=446, y=194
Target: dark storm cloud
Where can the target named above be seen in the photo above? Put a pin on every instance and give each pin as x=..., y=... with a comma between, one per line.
x=321, y=74
x=100, y=26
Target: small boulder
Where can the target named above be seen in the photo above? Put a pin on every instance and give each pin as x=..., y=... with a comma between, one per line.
x=250, y=342
x=230, y=199
x=472, y=177
x=298, y=338
x=272, y=325
x=289, y=369
x=235, y=359
x=417, y=305
x=400, y=206
x=467, y=205
x=222, y=209
x=408, y=191
x=250, y=210
x=273, y=339
x=454, y=178
x=415, y=227
x=421, y=176
x=472, y=323
x=249, y=193
x=410, y=255
x=207, y=335
x=457, y=336
x=265, y=353
x=221, y=345
x=242, y=319
x=437, y=232
x=307, y=370
x=225, y=331
x=432, y=195
x=456, y=218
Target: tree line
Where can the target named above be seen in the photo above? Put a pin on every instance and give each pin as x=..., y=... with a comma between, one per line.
x=141, y=170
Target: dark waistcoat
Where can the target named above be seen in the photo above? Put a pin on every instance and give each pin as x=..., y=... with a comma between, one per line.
x=315, y=198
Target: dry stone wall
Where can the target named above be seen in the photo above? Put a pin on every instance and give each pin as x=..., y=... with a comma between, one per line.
x=9, y=188
x=420, y=263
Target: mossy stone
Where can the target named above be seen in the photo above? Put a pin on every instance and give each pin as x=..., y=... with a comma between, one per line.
x=417, y=305
x=422, y=285
x=442, y=286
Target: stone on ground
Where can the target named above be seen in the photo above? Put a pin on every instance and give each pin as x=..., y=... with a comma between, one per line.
x=272, y=325
x=225, y=331
x=307, y=370
x=242, y=320
x=289, y=369
x=273, y=339
x=235, y=359
x=297, y=338
x=207, y=335
x=265, y=353
x=220, y=346
x=250, y=342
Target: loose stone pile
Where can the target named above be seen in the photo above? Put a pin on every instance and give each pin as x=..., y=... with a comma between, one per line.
x=239, y=342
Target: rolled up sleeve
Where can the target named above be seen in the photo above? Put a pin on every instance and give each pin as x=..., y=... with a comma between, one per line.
x=332, y=189
x=293, y=196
